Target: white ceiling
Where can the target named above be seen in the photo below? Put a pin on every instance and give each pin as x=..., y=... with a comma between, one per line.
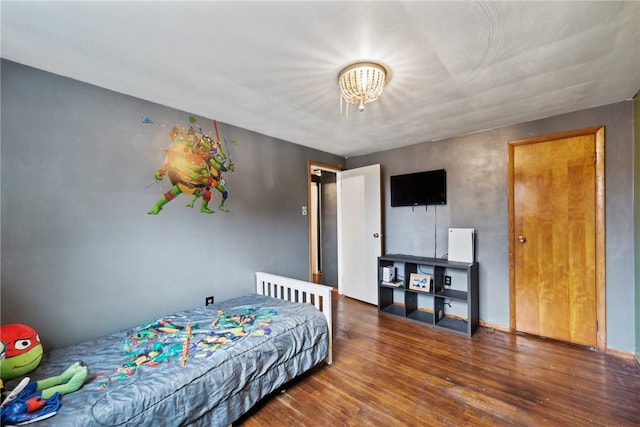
x=271, y=67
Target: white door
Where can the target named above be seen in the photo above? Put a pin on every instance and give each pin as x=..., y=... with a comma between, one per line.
x=359, y=232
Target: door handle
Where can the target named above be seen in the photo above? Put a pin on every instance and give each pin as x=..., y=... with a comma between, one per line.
x=522, y=239
x=376, y=235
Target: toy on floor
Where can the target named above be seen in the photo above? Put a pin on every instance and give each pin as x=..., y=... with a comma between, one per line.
x=20, y=353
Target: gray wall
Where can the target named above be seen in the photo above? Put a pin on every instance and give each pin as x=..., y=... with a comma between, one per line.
x=80, y=255
x=476, y=167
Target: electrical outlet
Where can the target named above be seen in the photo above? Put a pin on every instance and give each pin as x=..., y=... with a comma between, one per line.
x=304, y=210
x=447, y=280
x=208, y=300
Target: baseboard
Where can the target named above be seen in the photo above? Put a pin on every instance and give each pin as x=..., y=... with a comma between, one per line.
x=501, y=328
x=611, y=351
x=623, y=355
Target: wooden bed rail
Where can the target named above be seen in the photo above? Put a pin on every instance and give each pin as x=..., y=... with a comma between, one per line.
x=298, y=291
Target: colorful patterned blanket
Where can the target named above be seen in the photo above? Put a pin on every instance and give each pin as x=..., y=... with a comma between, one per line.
x=165, y=339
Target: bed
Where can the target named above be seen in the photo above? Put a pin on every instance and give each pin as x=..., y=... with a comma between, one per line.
x=237, y=352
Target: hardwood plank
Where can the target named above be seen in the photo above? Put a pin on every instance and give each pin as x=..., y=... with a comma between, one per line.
x=388, y=371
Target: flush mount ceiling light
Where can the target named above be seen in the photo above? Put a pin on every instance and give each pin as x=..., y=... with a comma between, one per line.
x=361, y=83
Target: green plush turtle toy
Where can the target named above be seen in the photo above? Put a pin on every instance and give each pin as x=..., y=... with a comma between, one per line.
x=20, y=353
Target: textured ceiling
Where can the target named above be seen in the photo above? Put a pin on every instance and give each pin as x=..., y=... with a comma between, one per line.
x=271, y=67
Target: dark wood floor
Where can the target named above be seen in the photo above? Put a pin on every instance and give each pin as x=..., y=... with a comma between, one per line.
x=389, y=371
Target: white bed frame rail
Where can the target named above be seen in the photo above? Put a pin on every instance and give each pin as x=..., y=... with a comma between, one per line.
x=299, y=291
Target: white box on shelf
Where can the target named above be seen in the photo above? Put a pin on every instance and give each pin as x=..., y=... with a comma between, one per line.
x=388, y=274
x=462, y=244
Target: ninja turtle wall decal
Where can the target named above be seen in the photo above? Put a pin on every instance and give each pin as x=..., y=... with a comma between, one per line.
x=194, y=164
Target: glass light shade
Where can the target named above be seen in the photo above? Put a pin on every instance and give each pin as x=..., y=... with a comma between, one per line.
x=361, y=83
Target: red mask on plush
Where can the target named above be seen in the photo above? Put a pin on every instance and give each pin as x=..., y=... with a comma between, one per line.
x=23, y=350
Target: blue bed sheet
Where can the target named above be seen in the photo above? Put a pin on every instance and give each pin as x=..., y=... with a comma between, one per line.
x=216, y=385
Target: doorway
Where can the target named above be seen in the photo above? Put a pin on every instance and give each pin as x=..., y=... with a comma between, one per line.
x=358, y=231
x=323, y=223
x=556, y=236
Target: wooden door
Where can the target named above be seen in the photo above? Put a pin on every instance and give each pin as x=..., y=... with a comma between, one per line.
x=556, y=232
x=359, y=232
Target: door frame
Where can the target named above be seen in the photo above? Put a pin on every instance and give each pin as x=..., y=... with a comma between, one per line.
x=311, y=164
x=600, y=280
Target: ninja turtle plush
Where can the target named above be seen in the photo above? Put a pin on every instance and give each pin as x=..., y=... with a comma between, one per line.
x=23, y=350
x=20, y=353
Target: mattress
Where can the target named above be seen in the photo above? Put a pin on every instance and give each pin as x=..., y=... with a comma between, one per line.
x=220, y=379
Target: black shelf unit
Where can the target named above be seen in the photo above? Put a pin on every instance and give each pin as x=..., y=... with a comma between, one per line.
x=431, y=308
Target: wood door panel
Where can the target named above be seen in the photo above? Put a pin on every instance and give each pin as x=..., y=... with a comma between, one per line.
x=554, y=209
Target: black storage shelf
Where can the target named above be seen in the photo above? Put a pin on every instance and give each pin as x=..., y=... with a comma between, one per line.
x=430, y=307
x=452, y=294
x=456, y=325
x=421, y=316
x=396, y=310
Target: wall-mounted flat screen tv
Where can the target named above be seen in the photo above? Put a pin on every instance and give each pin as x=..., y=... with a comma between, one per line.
x=420, y=188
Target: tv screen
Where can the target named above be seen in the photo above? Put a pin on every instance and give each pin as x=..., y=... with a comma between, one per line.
x=420, y=188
